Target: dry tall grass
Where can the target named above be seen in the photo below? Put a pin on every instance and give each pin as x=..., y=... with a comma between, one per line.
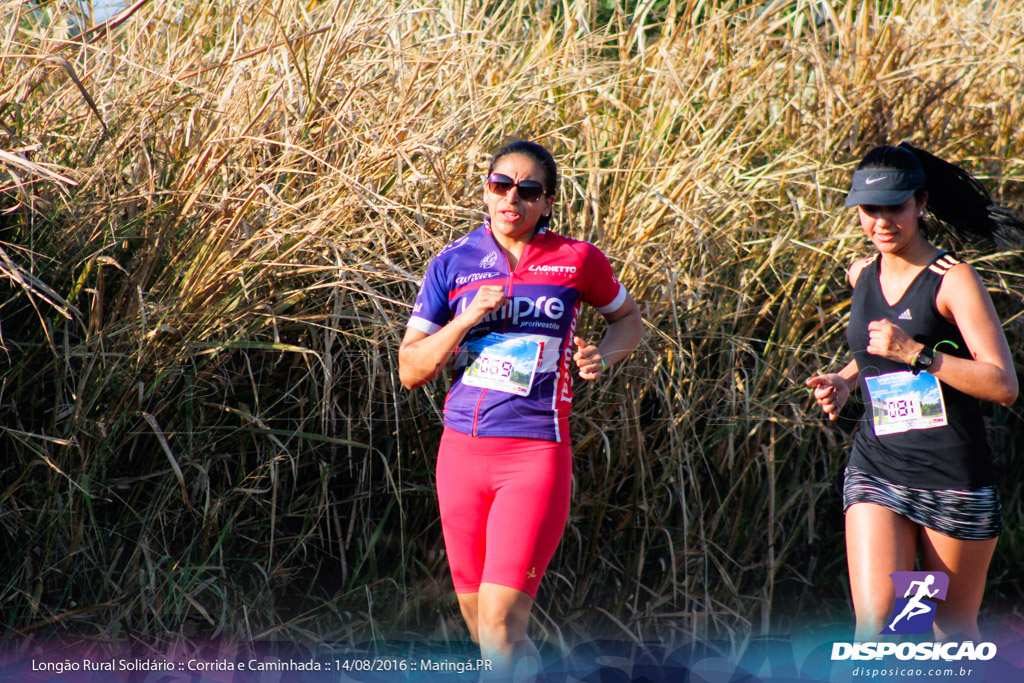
x=215, y=216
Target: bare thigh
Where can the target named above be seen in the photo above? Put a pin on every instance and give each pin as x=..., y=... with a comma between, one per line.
x=878, y=543
x=966, y=564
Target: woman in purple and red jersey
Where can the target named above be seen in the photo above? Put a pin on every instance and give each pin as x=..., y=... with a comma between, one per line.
x=927, y=346
x=503, y=301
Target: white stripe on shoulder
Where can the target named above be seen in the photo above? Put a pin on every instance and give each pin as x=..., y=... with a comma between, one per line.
x=423, y=325
x=943, y=264
x=617, y=302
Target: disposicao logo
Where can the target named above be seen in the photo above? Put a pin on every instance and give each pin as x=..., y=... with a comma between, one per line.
x=914, y=613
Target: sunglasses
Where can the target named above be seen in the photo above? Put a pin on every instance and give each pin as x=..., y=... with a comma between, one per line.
x=529, y=190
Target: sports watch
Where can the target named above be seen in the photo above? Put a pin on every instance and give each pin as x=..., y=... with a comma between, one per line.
x=923, y=360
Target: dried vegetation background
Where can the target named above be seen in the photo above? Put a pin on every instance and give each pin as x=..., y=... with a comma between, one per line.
x=214, y=219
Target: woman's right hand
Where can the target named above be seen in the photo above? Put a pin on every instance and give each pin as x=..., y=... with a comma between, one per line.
x=831, y=392
x=421, y=356
x=488, y=299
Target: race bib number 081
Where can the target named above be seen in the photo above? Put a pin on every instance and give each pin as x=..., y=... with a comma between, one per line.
x=902, y=408
x=901, y=401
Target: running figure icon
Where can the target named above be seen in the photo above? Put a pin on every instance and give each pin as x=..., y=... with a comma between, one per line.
x=914, y=612
x=915, y=606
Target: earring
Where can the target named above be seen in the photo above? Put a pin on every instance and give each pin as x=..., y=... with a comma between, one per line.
x=921, y=214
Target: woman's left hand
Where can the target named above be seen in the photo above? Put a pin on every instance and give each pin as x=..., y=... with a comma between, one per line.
x=889, y=341
x=588, y=359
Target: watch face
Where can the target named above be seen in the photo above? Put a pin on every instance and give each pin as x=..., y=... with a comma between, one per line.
x=924, y=359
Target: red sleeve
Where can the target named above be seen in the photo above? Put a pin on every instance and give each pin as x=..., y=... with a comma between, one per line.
x=600, y=288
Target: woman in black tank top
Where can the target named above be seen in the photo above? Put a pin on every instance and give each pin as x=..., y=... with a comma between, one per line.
x=927, y=346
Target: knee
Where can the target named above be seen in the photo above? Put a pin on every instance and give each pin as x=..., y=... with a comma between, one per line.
x=498, y=626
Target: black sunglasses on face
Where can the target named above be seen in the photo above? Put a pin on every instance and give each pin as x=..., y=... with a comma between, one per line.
x=528, y=190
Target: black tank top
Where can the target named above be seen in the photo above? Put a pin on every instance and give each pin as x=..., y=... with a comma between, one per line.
x=955, y=455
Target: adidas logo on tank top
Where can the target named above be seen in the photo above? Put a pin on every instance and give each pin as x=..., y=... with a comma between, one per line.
x=905, y=315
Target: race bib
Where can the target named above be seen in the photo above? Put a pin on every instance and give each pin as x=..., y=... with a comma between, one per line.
x=901, y=401
x=502, y=363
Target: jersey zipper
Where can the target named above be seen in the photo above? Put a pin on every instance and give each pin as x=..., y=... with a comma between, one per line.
x=504, y=325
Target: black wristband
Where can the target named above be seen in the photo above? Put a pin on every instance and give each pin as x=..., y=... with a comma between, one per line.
x=923, y=360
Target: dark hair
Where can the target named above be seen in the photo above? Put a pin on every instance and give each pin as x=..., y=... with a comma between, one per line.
x=538, y=154
x=955, y=197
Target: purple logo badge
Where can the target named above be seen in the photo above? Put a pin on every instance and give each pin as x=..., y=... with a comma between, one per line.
x=916, y=593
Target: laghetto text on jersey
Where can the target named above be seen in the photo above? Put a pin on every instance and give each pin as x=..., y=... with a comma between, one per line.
x=554, y=275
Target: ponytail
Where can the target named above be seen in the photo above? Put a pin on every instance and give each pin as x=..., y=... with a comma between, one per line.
x=957, y=200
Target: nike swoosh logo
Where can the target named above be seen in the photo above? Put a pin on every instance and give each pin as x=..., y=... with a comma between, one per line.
x=872, y=181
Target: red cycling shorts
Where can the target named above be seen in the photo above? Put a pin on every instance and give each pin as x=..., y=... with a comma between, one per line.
x=504, y=503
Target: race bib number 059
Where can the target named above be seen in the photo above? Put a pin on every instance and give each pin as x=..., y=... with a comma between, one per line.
x=502, y=363
x=901, y=401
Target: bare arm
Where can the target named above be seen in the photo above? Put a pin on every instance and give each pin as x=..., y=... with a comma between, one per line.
x=988, y=375
x=625, y=328
x=421, y=356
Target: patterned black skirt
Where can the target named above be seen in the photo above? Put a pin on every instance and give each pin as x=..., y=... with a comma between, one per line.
x=969, y=515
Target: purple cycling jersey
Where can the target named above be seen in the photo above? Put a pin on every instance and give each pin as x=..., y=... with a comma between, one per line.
x=512, y=370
